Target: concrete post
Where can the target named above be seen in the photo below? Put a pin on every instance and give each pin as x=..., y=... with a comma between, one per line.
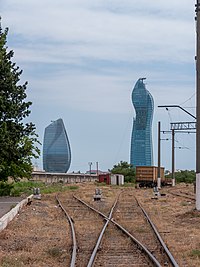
x=173, y=174
x=198, y=106
x=159, y=178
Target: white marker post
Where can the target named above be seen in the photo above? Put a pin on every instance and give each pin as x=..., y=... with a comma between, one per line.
x=197, y=10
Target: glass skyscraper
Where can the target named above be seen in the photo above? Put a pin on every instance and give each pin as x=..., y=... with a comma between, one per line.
x=141, y=140
x=56, y=148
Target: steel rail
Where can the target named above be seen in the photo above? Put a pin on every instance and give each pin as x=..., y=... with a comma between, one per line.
x=94, y=253
x=73, y=258
x=83, y=202
x=138, y=243
x=183, y=195
x=171, y=258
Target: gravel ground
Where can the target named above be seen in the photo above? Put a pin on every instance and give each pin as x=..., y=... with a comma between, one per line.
x=177, y=221
x=39, y=235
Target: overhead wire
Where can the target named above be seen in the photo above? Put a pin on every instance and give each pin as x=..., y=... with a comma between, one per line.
x=181, y=144
x=123, y=137
x=187, y=99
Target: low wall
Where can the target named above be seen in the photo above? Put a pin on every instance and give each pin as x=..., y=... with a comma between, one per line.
x=13, y=212
x=67, y=178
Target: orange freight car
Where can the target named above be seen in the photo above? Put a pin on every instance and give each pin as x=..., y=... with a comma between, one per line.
x=146, y=176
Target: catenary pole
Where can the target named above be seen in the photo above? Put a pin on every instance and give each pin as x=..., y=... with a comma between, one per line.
x=173, y=161
x=197, y=10
x=159, y=178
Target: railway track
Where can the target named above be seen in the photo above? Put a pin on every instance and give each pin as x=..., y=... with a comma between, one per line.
x=87, y=226
x=182, y=193
x=117, y=250
x=116, y=241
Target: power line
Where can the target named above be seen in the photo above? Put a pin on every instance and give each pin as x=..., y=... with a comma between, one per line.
x=123, y=138
x=188, y=99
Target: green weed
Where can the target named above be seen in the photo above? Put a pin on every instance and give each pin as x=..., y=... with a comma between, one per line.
x=129, y=184
x=195, y=253
x=54, y=252
x=26, y=188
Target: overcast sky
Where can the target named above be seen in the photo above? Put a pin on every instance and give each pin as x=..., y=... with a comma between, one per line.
x=82, y=59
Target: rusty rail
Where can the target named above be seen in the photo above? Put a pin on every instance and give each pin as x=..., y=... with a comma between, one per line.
x=139, y=244
x=168, y=253
x=73, y=258
x=94, y=253
x=183, y=195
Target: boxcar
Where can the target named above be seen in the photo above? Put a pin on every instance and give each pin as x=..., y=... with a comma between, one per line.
x=146, y=176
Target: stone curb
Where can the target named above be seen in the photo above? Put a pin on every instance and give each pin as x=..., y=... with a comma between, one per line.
x=13, y=212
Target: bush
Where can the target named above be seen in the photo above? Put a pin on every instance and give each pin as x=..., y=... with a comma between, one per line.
x=129, y=179
x=25, y=187
x=126, y=169
x=5, y=189
x=15, y=192
x=185, y=176
x=16, y=189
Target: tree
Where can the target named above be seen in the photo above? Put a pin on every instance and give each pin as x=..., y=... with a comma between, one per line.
x=185, y=176
x=126, y=169
x=17, y=139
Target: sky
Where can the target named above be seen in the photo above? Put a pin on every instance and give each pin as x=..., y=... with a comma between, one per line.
x=82, y=58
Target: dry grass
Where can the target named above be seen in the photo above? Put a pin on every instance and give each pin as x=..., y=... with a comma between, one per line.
x=33, y=237
x=178, y=222
x=39, y=235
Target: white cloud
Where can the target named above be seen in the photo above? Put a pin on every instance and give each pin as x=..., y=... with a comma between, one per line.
x=79, y=30
x=84, y=56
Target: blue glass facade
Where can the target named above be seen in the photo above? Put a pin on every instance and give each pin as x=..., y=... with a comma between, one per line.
x=141, y=140
x=56, y=148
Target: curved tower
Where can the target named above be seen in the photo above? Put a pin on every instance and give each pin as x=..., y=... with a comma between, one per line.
x=141, y=139
x=56, y=148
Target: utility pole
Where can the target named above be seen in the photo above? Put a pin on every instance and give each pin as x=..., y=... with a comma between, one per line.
x=197, y=10
x=159, y=178
x=97, y=168
x=90, y=166
x=173, y=173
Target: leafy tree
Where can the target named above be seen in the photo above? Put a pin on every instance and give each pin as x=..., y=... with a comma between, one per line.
x=126, y=169
x=184, y=176
x=17, y=139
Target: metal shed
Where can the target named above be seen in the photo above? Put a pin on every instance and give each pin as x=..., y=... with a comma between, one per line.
x=117, y=179
x=104, y=178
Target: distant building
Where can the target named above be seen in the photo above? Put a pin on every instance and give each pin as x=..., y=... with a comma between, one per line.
x=141, y=153
x=56, y=148
x=95, y=172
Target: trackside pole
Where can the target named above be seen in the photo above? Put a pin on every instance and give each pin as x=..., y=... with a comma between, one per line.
x=197, y=10
x=158, y=178
x=173, y=161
